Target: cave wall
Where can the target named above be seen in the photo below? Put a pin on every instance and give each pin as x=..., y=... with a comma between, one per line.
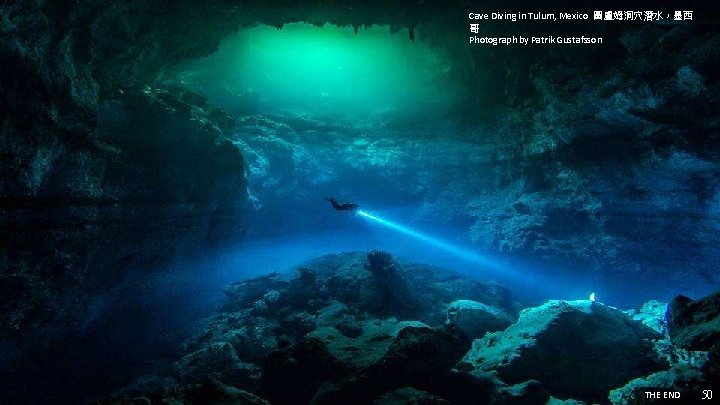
x=104, y=177
x=632, y=152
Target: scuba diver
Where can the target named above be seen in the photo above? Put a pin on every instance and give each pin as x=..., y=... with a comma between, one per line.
x=343, y=206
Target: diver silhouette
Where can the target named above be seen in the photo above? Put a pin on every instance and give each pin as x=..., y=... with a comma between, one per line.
x=343, y=206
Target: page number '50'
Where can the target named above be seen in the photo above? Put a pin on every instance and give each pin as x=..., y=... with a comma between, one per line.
x=707, y=394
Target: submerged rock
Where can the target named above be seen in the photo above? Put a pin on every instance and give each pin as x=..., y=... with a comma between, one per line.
x=217, y=360
x=530, y=391
x=391, y=280
x=677, y=356
x=372, y=343
x=684, y=379
x=416, y=357
x=252, y=336
x=423, y=352
x=695, y=325
x=576, y=349
x=243, y=293
x=475, y=318
x=652, y=315
x=291, y=375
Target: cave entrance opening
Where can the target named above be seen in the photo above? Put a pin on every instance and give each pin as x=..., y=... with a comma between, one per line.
x=323, y=71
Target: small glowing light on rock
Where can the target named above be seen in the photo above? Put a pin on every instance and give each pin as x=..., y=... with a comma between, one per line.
x=592, y=296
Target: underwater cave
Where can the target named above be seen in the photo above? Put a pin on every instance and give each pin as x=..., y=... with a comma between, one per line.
x=349, y=202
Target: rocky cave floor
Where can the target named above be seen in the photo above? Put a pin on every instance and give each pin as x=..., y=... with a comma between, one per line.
x=363, y=328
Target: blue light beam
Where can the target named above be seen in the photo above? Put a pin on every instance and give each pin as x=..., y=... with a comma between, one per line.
x=455, y=250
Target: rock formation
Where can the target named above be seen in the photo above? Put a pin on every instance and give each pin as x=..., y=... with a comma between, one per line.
x=576, y=349
x=695, y=325
x=328, y=346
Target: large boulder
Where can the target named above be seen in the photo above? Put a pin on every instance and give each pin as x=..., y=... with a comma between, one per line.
x=373, y=342
x=391, y=279
x=423, y=352
x=475, y=318
x=576, y=349
x=695, y=325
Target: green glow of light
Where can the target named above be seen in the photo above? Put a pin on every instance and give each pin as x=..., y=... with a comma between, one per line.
x=321, y=68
